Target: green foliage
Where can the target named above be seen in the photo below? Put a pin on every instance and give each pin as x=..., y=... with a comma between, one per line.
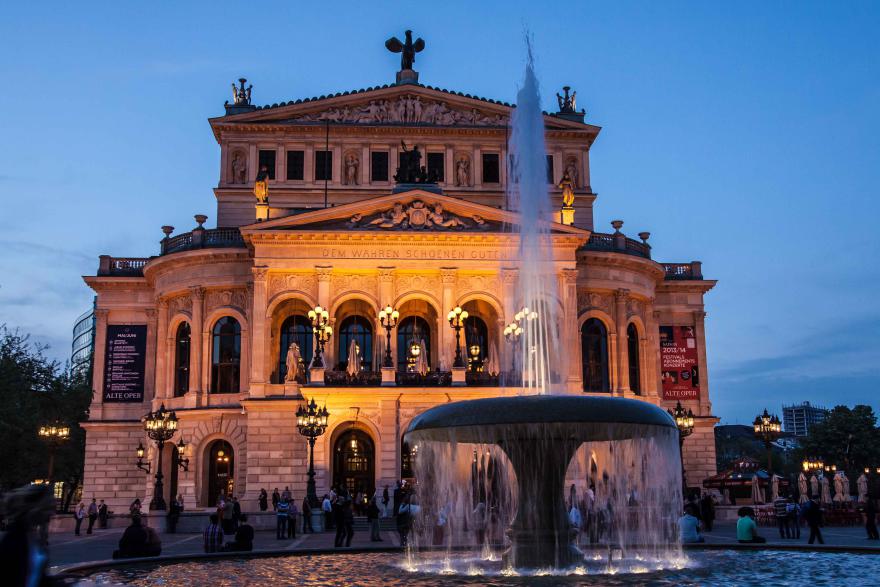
x=35, y=391
x=848, y=438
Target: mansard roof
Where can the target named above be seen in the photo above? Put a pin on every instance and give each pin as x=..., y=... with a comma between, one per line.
x=305, y=111
x=414, y=211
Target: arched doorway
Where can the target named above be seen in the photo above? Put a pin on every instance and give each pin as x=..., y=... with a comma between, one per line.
x=221, y=470
x=354, y=462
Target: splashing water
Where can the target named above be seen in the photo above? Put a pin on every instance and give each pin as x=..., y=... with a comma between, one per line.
x=536, y=292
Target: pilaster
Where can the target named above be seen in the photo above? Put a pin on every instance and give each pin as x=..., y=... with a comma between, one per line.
x=446, y=337
x=195, y=395
x=570, y=340
x=703, y=368
x=620, y=297
x=101, y=316
x=258, y=332
x=150, y=368
x=163, y=390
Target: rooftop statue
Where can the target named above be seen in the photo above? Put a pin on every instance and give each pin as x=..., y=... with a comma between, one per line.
x=241, y=96
x=407, y=49
x=567, y=103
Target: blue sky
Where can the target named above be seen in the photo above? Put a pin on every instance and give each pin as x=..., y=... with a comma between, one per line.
x=745, y=135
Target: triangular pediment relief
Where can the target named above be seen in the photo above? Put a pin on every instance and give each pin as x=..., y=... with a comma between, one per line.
x=412, y=211
x=395, y=105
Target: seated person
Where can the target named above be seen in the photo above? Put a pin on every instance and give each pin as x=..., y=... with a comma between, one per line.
x=138, y=541
x=747, y=529
x=244, y=537
x=689, y=527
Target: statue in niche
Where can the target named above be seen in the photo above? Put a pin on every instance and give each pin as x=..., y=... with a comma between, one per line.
x=239, y=168
x=463, y=172
x=567, y=187
x=294, y=364
x=261, y=186
x=572, y=171
x=352, y=163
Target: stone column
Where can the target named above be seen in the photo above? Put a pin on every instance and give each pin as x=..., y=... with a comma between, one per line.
x=336, y=178
x=258, y=332
x=280, y=165
x=163, y=389
x=477, y=167
x=253, y=163
x=449, y=171
x=225, y=171
x=309, y=164
x=194, y=396
x=364, y=169
x=655, y=376
x=570, y=342
x=620, y=297
x=585, y=172
x=702, y=367
x=446, y=336
x=101, y=316
x=150, y=367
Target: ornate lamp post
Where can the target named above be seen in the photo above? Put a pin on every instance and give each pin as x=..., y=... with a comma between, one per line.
x=323, y=331
x=182, y=459
x=311, y=422
x=160, y=426
x=768, y=428
x=54, y=436
x=456, y=318
x=813, y=464
x=512, y=332
x=388, y=319
x=684, y=421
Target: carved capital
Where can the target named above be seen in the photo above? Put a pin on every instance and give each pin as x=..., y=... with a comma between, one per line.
x=259, y=273
x=162, y=304
x=152, y=314
x=621, y=295
x=699, y=316
x=447, y=275
x=197, y=292
x=509, y=276
x=323, y=273
x=569, y=276
x=386, y=274
x=102, y=314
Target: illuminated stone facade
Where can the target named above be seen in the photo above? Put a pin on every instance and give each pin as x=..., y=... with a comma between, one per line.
x=222, y=305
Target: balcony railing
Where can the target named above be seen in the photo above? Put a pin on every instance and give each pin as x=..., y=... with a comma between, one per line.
x=203, y=238
x=121, y=266
x=683, y=271
x=617, y=243
x=362, y=379
x=430, y=379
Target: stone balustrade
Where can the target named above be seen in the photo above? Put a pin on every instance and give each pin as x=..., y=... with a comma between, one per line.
x=683, y=271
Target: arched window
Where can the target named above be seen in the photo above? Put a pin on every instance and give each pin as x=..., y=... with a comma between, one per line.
x=632, y=352
x=594, y=355
x=358, y=329
x=181, y=359
x=226, y=356
x=476, y=338
x=412, y=329
x=296, y=328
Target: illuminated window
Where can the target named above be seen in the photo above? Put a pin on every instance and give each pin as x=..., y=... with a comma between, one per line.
x=226, y=356
x=181, y=359
x=296, y=328
x=594, y=356
x=632, y=349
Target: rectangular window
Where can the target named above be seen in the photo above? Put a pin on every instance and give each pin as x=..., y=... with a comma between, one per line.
x=295, y=164
x=550, y=169
x=267, y=160
x=435, y=166
x=379, y=166
x=323, y=165
x=490, y=168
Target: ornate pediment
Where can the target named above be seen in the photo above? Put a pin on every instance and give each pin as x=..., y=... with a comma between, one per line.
x=405, y=109
x=417, y=215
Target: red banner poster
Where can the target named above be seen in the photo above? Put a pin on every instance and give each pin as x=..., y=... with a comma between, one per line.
x=679, y=370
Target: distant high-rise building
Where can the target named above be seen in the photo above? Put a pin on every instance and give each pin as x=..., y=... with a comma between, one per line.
x=83, y=347
x=797, y=419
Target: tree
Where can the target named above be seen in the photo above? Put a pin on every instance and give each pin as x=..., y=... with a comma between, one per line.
x=35, y=391
x=848, y=438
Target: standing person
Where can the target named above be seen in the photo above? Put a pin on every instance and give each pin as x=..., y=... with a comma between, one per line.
x=780, y=508
x=285, y=495
x=707, y=511
x=373, y=519
x=173, y=515
x=813, y=516
x=794, y=518
x=103, y=515
x=276, y=497
x=93, y=515
x=397, y=498
x=292, y=512
x=213, y=535
x=405, y=517
x=227, y=520
x=348, y=521
x=385, y=500
x=339, y=522
x=327, y=508
x=281, y=519
x=307, y=516
x=79, y=514
x=264, y=500
x=236, y=513
x=871, y=519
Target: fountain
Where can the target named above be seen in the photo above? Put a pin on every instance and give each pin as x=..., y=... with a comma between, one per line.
x=501, y=463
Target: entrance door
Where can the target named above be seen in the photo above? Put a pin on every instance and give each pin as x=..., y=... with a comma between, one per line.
x=354, y=463
x=221, y=471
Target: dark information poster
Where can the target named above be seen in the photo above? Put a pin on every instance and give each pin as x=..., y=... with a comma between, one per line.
x=125, y=360
x=678, y=363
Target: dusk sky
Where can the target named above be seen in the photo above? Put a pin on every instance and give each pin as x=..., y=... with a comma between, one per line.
x=745, y=135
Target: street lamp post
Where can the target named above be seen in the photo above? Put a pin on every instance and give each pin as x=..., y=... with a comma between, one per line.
x=54, y=436
x=456, y=318
x=311, y=422
x=160, y=426
x=323, y=331
x=684, y=421
x=768, y=428
x=388, y=319
x=512, y=332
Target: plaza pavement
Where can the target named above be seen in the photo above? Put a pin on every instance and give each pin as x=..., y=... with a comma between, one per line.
x=67, y=549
